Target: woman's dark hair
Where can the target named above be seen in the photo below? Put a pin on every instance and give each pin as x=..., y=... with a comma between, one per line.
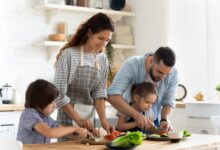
x=165, y=54
x=95, y=24
x=40, y=93
x=142, y=89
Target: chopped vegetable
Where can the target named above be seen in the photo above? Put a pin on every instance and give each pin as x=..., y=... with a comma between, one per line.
x=128, y=140
x=186, y=133
x=155, y=135
x=113, y=135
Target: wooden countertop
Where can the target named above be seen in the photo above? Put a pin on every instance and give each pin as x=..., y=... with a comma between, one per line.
x=11, y=107
x=180, y=104
x=20, y=107
x=196, y=141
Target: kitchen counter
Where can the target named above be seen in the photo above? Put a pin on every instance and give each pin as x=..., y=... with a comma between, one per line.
x=11, y=107
x=180, y=104
x=196, y=141
x=20, y=107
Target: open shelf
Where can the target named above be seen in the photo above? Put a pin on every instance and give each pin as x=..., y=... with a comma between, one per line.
x=60, y=44
x=58, y=7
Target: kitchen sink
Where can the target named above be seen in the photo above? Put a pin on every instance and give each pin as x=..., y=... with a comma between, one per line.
x=202, y=108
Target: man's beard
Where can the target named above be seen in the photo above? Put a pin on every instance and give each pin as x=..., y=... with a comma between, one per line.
x=152, y=76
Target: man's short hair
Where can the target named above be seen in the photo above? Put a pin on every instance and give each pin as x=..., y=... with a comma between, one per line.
x=166, y=54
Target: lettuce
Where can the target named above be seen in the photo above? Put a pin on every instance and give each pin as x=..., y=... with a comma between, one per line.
x=186, y=133
x=128, y=140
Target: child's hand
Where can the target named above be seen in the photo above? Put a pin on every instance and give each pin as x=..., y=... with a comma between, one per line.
x=95, y=132
x=85, y=123
x=81, y=132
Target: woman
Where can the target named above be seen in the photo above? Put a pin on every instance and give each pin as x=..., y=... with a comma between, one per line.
x=81, y=74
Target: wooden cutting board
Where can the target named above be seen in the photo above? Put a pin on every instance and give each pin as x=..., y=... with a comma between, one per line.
x=93, y=142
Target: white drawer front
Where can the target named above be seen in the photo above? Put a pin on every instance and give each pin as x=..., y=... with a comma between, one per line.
x=201, y=130
x=7, y=132
x=200, y=123
x=6, y=118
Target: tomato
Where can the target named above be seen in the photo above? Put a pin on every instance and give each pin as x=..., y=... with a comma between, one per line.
x=116, y=133
x=113, y=135
x=110, y=137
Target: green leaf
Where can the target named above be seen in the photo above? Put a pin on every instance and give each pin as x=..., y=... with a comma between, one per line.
x=186, y=133
x=130, y=139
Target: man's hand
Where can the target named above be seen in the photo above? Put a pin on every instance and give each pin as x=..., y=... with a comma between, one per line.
x=166, y=125
x=142, y=121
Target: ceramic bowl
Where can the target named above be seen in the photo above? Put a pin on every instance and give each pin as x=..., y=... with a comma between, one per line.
x=175, y=136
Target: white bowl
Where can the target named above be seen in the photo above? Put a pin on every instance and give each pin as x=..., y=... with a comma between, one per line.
x=175, y=136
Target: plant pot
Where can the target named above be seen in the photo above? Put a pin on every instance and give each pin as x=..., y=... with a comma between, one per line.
x=117, y=4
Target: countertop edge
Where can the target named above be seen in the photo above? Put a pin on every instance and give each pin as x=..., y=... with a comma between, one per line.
x=11, y=107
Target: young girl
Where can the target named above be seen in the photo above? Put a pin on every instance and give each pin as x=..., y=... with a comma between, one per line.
x=143, y=96
x=36, y=125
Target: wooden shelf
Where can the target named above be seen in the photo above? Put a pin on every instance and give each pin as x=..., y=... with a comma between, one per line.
x=59, y=7
x=60, y=44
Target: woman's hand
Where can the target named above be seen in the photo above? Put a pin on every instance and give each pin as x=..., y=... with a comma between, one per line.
x=107, y=126
x=85, y=124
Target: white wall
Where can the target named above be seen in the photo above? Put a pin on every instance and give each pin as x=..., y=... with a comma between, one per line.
x=20, y=27
x=150, y=25
x=213, y=37
x=22, y=60
x=187, y=36
x=194, y=34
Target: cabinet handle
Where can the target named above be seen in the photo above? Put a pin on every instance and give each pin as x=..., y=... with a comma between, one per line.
x=204, y=131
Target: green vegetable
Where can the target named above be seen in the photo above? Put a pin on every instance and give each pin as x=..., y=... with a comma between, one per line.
x=128, y=140
x=155, y=135
x=186, y=133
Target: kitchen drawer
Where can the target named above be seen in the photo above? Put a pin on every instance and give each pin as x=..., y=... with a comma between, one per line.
x=7, y=132
x=6, y=118
x=199, y=123
x=201, y=130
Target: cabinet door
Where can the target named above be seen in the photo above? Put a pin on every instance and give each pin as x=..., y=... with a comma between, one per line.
x=7, y=132
x=9, y=124
x=200, y=125
x=179, y=119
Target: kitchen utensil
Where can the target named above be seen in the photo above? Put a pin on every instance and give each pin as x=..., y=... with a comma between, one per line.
x=6, y=93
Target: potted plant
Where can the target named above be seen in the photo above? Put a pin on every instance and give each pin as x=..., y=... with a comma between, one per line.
x=109, y=50
x=218, y=91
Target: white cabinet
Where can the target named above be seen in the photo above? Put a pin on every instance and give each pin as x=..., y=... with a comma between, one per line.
x=179, y=119
x=9, y=125
x=200, y=125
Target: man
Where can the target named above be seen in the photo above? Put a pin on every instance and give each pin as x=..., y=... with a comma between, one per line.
x=157, y=68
